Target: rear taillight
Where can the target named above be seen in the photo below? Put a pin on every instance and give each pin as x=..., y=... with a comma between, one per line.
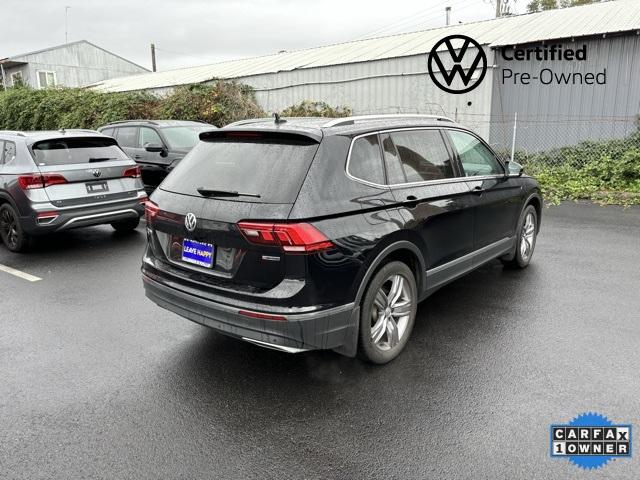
x=133, y=172
x=150, y=211
x=31, y=182
x=292, y=237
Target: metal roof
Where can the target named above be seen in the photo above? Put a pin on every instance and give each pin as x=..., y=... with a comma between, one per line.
x=21, y=59
x=595, y=19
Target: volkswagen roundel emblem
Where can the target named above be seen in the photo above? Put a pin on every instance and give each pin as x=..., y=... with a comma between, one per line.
x=443, y=75
x=96, y=173
x=190, y=222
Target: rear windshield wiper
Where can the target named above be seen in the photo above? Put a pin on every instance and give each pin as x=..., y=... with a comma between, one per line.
x=101, y=159
x=207, y=192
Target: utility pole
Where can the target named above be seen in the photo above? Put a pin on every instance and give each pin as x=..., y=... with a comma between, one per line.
x=153, y=57
x=498, y=8
x=66, y=24
x=447, y=12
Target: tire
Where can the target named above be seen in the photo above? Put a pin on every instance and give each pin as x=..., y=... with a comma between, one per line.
x=11, y=231
x=525, y=239
x=128, y=225
x=377, y=342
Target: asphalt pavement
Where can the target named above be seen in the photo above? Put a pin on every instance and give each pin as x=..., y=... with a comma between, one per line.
x=98, y=382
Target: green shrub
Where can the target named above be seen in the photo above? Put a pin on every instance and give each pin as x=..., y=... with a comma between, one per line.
x=308, y=108
x=606, y=172
x=219, y=103
x=23, y=108
x=27, y=109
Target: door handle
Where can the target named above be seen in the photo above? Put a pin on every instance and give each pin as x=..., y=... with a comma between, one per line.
x=137, y=157
x=478, y=190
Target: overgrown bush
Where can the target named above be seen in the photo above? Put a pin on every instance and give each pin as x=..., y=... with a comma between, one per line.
x=23, y=108
x=308, y=108
x=606, y=172
x=219, y=103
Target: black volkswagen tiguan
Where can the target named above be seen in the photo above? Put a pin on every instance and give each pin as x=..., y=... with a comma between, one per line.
x=301, y=234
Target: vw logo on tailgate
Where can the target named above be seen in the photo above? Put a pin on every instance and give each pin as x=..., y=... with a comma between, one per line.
x=96, y=173
x=190, y=222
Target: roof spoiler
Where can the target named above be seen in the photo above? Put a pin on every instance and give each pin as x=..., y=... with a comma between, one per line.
x=268, y=134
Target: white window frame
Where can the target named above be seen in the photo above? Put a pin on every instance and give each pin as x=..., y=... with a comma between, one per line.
x=16, y=76
x=46, y=72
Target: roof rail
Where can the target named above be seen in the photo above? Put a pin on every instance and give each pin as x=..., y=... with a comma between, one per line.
x=127, y=121
x=17, y=133
x=337, y=122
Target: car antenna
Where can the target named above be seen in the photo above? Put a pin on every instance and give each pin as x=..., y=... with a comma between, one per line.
x=277, y=118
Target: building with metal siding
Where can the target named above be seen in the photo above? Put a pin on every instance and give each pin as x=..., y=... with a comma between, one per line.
x=565, y=114
x=389, y=75
x=75, y=64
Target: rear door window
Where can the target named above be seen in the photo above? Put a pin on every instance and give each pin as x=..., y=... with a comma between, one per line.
x=423, y=155
x=128, y=137
x=365, y=162
x=395, y=173
x=69, y=151
x=268, y=165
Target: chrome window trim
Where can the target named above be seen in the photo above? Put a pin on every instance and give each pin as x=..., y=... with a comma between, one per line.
x=425, y=182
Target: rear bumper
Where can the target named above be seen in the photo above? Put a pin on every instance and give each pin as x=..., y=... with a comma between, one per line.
x=84, y=216
x=335, y=328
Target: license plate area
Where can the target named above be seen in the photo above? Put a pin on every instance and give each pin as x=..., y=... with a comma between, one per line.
x=97, y=187
x=198, y=253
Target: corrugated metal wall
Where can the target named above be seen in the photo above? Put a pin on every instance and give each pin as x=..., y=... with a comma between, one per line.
x=396, y=85
x=76, y=65
x=558, y=115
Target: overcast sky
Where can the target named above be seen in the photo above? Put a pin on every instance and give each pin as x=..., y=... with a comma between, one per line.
x=197, y=32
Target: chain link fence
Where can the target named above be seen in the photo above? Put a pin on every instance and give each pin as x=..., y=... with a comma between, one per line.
x=555, y=141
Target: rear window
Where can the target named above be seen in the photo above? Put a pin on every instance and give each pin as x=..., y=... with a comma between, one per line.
x=272, y=168
x=69, y=151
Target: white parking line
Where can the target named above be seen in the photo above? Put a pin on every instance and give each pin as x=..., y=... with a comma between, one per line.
x=18, y=273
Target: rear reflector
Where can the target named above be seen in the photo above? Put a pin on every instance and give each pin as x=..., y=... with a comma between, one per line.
x=133, y=172
x=47, y=217
x=263, y=316
x=292, y=237
x=150, y=211
x=32, y=182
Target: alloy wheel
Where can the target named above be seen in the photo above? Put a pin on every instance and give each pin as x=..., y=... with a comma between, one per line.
x=390, y=313
x=9, y=228
x=527, y=236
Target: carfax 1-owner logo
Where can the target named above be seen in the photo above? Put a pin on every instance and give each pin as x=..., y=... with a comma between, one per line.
x=590, y=440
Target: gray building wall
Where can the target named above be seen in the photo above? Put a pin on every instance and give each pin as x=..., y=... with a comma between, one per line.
x=75, y=65
x=558, y=115
x=395, y=85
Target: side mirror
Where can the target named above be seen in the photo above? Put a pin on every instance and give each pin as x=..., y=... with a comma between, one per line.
x=154, y=147
x=514, y=169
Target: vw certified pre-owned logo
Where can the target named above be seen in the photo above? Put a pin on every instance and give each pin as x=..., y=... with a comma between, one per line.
x=96, y=173
x=479, y=61
x=190, y=222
